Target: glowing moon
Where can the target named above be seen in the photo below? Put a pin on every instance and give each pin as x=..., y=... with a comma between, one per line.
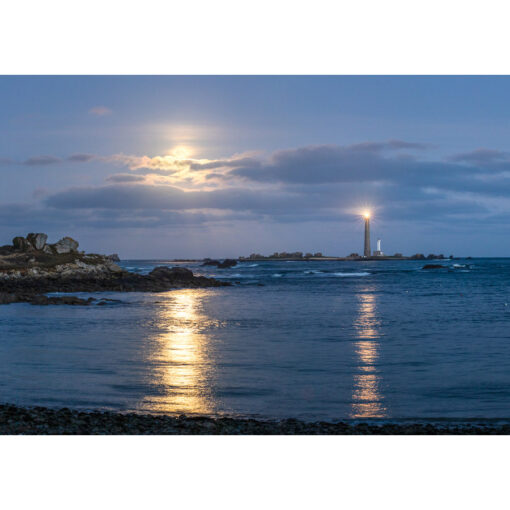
x=181, y=152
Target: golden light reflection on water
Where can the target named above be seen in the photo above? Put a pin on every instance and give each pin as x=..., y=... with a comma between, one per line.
x=367, y=397
x=181, y=361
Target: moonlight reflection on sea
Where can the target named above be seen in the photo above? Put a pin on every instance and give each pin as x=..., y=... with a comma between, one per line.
x=181, y=360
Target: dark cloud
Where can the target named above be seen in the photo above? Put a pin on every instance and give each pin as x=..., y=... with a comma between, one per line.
x=81, y=158
x=49, y=160
x=125, y=178
x=164, y=197
x=362, y=163
x=481, y=157
x=389, y=145
x=42, y=160
x=354, y=163
x=22, y=218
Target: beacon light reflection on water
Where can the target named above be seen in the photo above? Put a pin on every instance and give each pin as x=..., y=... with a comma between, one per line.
x=367, y=400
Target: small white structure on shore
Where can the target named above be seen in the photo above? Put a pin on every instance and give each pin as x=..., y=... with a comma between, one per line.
x=378, y=252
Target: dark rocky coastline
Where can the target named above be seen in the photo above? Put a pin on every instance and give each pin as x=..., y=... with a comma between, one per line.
x=45, y=421
x=30, y=268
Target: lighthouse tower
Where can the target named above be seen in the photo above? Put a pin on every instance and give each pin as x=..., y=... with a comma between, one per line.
x=366, y=251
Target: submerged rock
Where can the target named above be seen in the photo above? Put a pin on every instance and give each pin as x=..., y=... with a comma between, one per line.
x=433, y=266
x=181, y=274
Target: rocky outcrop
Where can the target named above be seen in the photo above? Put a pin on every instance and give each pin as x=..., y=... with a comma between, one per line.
x=37, y=241
x=220, y=265
x=20, y=244
x=66, y=245
x=113, y=257
x=159, y=280
x=31, y=268
x=434, y=266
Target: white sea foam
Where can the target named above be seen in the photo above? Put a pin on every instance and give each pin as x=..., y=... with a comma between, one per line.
x=277, y=275
x=351, y=274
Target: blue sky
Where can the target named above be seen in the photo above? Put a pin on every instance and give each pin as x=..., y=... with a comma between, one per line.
x=223, y=166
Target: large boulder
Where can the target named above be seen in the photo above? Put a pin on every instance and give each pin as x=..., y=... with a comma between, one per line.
x=38, y=241
x=66, y=245
x=21, y=244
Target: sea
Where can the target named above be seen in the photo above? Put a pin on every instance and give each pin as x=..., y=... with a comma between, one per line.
x=316, y=340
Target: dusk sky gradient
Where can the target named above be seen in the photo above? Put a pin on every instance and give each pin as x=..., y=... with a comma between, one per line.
x=171, y=167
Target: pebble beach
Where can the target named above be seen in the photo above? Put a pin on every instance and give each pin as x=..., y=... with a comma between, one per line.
x=16, y=420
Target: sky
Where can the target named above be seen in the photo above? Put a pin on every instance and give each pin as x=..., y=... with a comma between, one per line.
x=223, y=166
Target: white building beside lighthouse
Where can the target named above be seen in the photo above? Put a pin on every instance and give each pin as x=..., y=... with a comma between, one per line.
x=378, y=252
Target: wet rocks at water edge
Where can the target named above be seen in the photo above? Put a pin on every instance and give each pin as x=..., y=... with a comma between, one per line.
x=434, y=266
x=7, y=298
x=225, y=264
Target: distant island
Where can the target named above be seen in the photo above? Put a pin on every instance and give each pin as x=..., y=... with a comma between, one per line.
x=298, y=255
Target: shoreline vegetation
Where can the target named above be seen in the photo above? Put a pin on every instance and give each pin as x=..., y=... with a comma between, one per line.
x=17, y=420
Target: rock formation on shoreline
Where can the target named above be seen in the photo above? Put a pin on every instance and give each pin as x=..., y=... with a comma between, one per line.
x=227, y=263
x=30, y=267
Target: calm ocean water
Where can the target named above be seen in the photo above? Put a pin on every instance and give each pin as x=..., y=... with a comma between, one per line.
x=311, y=340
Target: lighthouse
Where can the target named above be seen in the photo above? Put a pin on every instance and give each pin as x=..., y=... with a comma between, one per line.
x=366, y=251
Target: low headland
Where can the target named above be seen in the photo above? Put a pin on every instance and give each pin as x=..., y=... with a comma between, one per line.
x=31, y=268
x=318, y=256
x=46, y=421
